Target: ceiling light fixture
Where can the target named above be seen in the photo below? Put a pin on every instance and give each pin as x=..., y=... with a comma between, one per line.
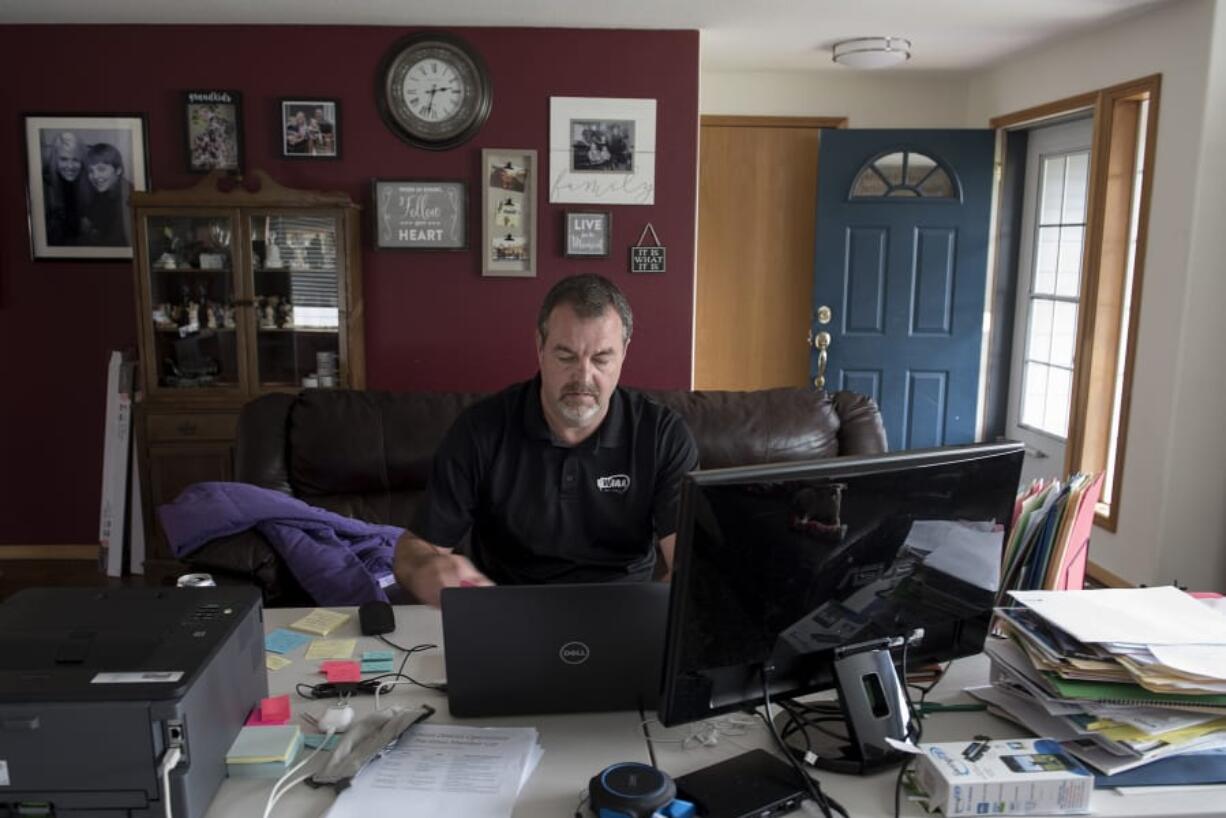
x=872, y=52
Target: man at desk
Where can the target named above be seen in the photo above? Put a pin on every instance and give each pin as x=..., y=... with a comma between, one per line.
x=562, y=478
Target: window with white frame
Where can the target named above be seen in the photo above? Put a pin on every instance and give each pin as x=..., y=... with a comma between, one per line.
x=1051, y=335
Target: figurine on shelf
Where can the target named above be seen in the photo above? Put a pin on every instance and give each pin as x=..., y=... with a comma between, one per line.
x=298, y=243
x=192, y=314
x=285, y=313
x=268, y=312
x=272, y=259
x=228, y=315
x=184, y=316
x=215, y=315
x=202, y=304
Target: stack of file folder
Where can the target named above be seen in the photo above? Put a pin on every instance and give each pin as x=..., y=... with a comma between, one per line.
x=1131, y=681
x=1049, y=539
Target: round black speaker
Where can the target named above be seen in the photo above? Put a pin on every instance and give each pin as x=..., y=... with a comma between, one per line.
x=631, y=789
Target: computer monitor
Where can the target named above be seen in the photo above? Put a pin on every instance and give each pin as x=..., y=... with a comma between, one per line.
x=782, y=569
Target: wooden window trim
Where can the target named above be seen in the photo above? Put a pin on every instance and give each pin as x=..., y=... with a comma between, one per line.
x=731, y=121
x=1104, y=264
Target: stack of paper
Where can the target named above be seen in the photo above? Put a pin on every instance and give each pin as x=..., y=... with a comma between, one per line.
x=1123, y=677
x=442, y=769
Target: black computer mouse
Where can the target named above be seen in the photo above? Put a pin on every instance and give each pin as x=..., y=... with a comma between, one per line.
x=376, y=617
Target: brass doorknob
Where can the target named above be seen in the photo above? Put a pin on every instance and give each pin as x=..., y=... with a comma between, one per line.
x=821, y=342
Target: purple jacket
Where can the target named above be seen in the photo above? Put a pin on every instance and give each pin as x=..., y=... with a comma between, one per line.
x=338, y=560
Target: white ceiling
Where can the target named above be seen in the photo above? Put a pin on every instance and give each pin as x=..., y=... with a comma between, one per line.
x=947, y=35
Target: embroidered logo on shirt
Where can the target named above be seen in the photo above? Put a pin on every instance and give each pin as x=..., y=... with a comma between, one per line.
x=617, y=483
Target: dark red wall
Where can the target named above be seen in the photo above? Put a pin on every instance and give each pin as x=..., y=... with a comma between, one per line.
x=432, y=321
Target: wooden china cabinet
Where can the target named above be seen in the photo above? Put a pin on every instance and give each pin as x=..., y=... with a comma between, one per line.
x=243, y=287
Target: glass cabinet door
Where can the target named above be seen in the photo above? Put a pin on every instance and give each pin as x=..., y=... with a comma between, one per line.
x=190, y=264
x=297, y=267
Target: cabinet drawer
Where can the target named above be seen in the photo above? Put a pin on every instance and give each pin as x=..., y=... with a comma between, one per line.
x=181, y=427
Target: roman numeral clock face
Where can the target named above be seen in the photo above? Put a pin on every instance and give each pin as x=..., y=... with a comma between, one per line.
x=435, y=91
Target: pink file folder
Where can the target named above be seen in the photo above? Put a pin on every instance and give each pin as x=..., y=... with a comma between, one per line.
x=1071, y=574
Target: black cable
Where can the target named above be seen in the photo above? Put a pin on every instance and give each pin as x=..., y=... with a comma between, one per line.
x=825, y=804
x=914, y=725
x=328, y=690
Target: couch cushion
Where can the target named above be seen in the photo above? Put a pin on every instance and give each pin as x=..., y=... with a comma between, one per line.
x=766, y=426
x=363, y=443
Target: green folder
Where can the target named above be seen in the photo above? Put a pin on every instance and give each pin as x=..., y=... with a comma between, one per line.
x=1127, y=694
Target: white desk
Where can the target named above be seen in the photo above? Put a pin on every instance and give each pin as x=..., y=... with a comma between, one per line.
x=873, y=796
x=578, y=746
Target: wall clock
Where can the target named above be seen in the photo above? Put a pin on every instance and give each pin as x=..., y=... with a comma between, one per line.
x=434, y=91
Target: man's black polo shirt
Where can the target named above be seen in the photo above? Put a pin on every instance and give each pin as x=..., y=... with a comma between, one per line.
x=541, y=511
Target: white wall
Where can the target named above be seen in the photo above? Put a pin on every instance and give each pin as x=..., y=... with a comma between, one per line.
x=1166, y=532
x=882, y=99
x=1194, y=510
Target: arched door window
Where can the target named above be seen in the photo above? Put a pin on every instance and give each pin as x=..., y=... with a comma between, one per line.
x=904, y=175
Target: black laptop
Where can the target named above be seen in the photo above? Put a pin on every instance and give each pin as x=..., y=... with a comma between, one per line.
x=522, y=649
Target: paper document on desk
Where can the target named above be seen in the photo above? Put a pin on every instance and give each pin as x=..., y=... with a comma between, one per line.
x=1129, y=616
x=442, y=769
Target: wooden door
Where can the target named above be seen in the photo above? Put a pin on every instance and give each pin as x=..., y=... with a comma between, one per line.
x=756, y=217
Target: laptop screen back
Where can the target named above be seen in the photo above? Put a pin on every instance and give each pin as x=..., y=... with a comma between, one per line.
x=519, y=650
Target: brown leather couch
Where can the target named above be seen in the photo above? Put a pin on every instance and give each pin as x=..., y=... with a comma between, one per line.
x=366, y=454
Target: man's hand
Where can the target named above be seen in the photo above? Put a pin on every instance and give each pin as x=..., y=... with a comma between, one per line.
x=426, y=570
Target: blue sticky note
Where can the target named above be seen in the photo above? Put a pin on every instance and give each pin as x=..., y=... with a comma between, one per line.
x=283, y=641
x=313, y=740
x=377, y=656
x=377, y=666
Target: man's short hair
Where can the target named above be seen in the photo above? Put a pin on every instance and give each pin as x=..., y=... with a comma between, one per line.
x=589, y=295
x=102, y=153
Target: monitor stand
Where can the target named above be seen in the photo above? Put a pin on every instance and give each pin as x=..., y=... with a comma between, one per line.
x=874, y=707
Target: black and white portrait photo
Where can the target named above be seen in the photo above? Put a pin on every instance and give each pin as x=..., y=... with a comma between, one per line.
x=602, y=150
x=82, y=171
x=602, y=145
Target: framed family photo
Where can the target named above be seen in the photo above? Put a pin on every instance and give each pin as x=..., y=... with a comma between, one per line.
x=310, y=128
x=427, y=214
x=602, y=151
x=508, y=212
x=81, y=171
x=214, y=130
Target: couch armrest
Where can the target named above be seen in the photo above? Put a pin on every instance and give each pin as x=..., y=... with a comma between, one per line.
x=247, y=556
x=860, y=427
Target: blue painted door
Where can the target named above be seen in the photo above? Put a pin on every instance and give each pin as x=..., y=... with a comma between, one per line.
x=899, y=276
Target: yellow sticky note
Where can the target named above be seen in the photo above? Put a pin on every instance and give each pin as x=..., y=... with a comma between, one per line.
x=274, y=662
x=320, y=622
x=331, y=649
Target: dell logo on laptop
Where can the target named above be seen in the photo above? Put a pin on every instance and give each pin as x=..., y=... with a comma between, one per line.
x=574, y=653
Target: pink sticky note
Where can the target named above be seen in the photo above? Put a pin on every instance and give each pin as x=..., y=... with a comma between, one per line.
x=338, y=671
x=272, y=711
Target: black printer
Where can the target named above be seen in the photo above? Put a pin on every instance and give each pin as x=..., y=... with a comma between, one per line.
x=97, y=687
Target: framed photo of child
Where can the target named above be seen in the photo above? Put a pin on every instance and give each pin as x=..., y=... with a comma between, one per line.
x=81, y=170
x=310, y=128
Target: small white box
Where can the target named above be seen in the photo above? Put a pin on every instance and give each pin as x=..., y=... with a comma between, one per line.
x=1032, y=776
